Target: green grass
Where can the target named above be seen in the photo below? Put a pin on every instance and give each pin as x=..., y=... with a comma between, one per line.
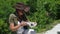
x=50, y=26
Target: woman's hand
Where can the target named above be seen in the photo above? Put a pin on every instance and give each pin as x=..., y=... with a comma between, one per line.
x=23, y=23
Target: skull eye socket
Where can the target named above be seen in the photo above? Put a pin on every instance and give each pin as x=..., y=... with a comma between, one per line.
x=31, y=24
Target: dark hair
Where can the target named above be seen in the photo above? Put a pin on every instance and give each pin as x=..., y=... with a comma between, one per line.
x=19, y=6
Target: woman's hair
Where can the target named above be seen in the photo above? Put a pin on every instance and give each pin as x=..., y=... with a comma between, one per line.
x=21, y=6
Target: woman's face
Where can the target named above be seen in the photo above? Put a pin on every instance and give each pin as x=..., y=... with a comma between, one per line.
x=20, y=13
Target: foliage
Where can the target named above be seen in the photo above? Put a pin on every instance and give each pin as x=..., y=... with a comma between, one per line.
x=44, y=12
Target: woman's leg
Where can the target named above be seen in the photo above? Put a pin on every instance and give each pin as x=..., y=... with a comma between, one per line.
x=29, y=31
x=25, y=31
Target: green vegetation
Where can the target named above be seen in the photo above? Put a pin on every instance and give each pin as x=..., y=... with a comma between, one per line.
x=44, y=12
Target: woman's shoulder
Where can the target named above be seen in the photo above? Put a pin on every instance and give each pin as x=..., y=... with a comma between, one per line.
x=12, y=15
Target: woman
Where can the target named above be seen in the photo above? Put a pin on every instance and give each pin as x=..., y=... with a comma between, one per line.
x=18, y=19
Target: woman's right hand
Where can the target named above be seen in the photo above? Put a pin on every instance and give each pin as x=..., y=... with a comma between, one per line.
x=23, y=23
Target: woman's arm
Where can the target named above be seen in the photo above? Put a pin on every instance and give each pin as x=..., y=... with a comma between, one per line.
x=14, y=28
x=11, y=22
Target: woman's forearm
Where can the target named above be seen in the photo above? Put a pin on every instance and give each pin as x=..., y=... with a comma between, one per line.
x=14, y=28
